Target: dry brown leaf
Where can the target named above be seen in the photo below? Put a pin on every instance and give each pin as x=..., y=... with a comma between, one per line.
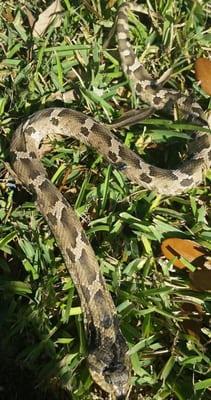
x=7, y=15
x=30, y=16
x=203, y=73
x=188, y=249
x=51, y=14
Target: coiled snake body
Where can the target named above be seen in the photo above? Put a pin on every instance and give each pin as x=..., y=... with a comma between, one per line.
x=108, y=359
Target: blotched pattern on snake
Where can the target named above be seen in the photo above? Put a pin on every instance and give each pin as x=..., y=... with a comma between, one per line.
x=108, y=359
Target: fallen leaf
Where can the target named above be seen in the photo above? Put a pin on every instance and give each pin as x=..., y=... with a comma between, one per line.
x=29, y=15
x=52, y=14
x=203, y=73
x=7, y=15
x=187, y=249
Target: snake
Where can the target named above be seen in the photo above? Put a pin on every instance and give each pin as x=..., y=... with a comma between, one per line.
x=108, y=358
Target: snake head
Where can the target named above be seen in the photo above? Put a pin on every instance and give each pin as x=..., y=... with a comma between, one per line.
x=110, y=373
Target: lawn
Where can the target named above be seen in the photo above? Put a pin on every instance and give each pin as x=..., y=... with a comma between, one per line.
x=164, y=319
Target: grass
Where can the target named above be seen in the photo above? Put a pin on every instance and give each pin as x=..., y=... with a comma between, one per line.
x=43, y=346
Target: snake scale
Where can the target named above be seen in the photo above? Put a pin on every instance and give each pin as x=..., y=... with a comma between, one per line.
x=108, y=358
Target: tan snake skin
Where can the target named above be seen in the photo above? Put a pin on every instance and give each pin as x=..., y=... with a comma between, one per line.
x=107, y=360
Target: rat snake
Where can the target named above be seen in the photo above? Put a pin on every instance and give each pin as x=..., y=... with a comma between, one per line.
x=108, y=358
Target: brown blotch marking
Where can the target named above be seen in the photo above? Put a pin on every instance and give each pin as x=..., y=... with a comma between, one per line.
x=129, y=157
x=138, y=72
x=122, y=14
x=65, y=218
x=66, y=221
x=129, y=60
x=13, y=156
x=121, y=345
x=203, y=142
x=32, y=154
x=145, y=178
x=71, y=255
x=86, y=292
x=54, y=121
x=159, y=173
x=122, y=45
x=99, y=296
x=41, y=201
x=20, y=146
x=64, y=112
x=102, y=134
x=85, y=131
x=118, y=348
x=191, y=165
x=106, y=321
x=113, y=157
x=139, y=87
x=30, y=186
x=94, y=339
x=28, y=165
x=46, y=113
x=157, y=100
x=116, y=322
x=47, y=187
x=84, y=238
x=103, y=311
x=84, y=261
x=51, y=218
x=186, y=182
x=29, y=130
x=74, y=114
